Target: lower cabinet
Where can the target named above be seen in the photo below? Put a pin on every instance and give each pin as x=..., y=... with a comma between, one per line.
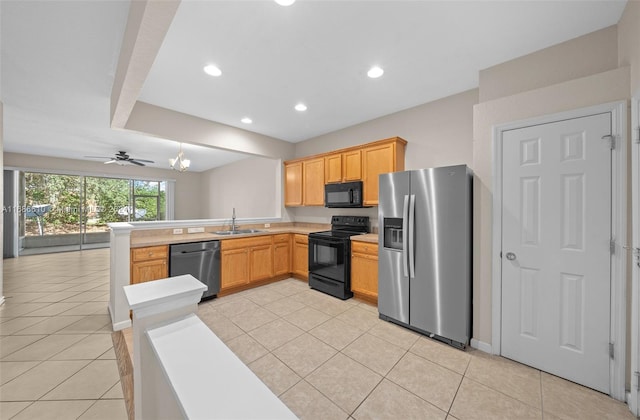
x=245, y=260
x=281, y=254
x=364, y=270
x=301, y=256
x=149, y=263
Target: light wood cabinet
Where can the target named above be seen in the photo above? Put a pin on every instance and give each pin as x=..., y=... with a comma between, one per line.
x=352, y=165
x=313, y=182
x=234, y=270
x=301, y=256
x=343, y=167
x=305, y=177
x=293, y=184
x=383, y=157
x=364, y=270
x=281, y=254
x=261, y=262
x=245, y=260
x=333, y=168
x=149, y=263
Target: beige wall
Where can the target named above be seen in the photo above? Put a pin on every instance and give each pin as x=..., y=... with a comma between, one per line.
x=187, y=192
x=589, y=54
x=250, y=185
x=629, y=43
x=438, y=133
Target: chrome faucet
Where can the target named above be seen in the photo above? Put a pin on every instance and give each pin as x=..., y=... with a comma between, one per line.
x=233, y=220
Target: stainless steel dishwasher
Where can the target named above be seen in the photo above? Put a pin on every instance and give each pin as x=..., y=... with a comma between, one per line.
x=201, y=260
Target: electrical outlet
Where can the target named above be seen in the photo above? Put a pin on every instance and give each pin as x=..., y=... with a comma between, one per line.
x=178, y=231
x=195, y=230
x=267, y=225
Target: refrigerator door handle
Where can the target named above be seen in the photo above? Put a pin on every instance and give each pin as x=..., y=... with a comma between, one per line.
x=412, y=213
x=405, y=235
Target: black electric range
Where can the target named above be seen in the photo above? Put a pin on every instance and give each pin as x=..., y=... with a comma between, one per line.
x=330, y=255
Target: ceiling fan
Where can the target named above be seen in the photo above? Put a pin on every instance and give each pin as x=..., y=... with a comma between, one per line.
x=122, y=158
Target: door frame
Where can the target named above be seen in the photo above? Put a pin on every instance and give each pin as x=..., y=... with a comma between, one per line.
x=634, y=394
x=618, y=112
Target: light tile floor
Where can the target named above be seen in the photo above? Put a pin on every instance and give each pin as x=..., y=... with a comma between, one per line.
x=56, y=353
x=325, y=358
x=332, y=359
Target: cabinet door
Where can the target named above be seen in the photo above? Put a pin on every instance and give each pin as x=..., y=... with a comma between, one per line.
x=301, y=256
x=293, y=184
x=313, y=185
x=333, y=168
x=282, y=258
x=149, y=270
x=352, y=165
x=364, y=275
x=364, y=270
x=234, y=268
x=377, y=160
x=261, y=260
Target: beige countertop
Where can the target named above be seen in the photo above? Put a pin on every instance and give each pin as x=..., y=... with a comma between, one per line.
x=368, y=237
x=153, y=237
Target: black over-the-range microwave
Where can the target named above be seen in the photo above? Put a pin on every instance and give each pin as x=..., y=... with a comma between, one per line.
x=346, y=194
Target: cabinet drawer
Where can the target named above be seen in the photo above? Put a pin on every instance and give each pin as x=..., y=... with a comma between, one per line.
x=301, y=239
x=364, y=248
x=226, y=244
x=281, y=238
x=150, y=253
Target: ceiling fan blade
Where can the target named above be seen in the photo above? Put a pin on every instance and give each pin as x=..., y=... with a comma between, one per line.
x=135, y=162
x=98, y=157
x=110, y=161
x=143, y=160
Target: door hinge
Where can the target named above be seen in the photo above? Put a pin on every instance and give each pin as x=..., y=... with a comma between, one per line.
x=611, y=139
x=611, y=351
x=637, y=139
x=612, y=246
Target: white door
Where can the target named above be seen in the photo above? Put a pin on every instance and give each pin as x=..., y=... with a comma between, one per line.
x=556, y=231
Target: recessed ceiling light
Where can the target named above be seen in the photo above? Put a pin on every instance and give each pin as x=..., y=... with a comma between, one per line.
x=212, y=70
x=246, y=120
x=285, y=2
x=301, y=107
x=375, y=72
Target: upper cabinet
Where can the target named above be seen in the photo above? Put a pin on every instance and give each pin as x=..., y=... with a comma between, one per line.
x=313, y=184
x=343, y=167
x=305, y=177
x=380, y=159
x=293, y=184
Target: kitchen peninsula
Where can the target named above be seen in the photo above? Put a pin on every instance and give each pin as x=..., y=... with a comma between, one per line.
x=279, y=250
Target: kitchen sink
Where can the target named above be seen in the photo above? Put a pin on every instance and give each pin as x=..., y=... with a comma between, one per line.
x=237, y=231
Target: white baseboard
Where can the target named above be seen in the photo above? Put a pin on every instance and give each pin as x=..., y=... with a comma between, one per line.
x=117, y=326
x=482, y=346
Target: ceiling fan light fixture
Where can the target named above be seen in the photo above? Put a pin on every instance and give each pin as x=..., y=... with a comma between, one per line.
x=285, y=2
x=180, y=163
x=212, y=70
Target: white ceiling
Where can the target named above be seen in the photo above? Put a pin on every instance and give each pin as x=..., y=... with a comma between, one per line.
x=59, y=60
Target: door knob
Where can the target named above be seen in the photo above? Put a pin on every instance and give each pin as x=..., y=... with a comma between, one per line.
x=511, y=256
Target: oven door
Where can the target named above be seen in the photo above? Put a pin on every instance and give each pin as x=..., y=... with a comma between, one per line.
x=329, y=258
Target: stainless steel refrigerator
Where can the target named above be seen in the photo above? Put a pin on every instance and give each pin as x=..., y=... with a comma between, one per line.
x=425, y=243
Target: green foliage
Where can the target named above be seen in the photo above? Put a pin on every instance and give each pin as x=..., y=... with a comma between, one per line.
x=103, y=198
